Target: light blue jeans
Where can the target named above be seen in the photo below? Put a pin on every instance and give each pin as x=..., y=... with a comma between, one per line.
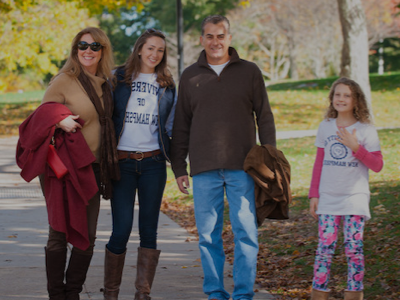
x=208, y=194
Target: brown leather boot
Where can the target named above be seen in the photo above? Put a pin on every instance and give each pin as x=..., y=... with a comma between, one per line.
x=113, y=267
x=76, y=273
x=147, y=262
x=55, y=268
x=353, y=295
x=319, y=295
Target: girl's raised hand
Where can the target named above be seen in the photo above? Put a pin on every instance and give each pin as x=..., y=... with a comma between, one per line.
x=314, y=207
x=348, y=139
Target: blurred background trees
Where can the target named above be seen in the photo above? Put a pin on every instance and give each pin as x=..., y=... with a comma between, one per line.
x=288, y=39
x=36, y=35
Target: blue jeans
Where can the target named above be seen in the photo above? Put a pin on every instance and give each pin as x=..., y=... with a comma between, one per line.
x=208, y=193
x=146, y=177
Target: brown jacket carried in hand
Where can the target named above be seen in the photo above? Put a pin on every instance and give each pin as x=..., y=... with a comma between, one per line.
x=271, y=173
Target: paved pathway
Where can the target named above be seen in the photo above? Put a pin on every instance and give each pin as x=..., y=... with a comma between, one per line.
x=23, y=234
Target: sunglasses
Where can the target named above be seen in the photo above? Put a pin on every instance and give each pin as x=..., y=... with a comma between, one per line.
x=94, y=46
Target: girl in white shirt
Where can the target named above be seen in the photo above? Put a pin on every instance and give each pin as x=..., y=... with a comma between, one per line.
x=347, y=147
x=144, y=106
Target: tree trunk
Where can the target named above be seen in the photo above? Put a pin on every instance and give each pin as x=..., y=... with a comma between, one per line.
x=355, y=49
x=292, y=57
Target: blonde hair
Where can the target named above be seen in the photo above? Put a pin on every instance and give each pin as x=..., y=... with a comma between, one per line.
x=132, y=65
x=360, y=111
x=73, y=67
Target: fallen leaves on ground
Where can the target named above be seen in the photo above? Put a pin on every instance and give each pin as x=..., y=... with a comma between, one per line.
x=12, y=115
x=287, y=251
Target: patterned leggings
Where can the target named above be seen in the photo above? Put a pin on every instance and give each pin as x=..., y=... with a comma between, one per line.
x=353, y=228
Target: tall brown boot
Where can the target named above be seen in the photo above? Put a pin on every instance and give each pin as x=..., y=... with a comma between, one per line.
x=147, y=262
x=353, y=295
x=55, y=267
x=319, y=295
x=113, y=267
x=76, y=273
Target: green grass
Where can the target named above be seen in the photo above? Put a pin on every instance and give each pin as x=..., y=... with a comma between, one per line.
x=17, y=98
x=294, y=107
x=301, y=105
x=304, y=110
x=386, y=82
x=287, y=247
x=291, y=244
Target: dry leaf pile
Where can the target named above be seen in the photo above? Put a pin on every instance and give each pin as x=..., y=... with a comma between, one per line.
x=287, y=249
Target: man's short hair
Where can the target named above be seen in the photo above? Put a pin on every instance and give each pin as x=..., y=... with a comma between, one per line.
x=214, y=19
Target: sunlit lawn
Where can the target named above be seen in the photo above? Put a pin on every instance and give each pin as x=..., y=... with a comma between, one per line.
x=291, y=244
x=287, y=248
x=293, y=109
x=21, y=97
x=304, y=110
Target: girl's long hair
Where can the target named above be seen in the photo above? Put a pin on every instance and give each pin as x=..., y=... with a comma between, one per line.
x=360, y=111
x=133, y=63
x=73, y=67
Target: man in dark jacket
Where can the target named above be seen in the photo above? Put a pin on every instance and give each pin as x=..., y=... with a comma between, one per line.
x=215, y=124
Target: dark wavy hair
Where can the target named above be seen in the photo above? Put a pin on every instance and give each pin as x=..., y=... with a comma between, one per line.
x=360, y=111
x=132, y=64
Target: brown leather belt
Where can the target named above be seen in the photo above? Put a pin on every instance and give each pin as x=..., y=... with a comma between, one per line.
x=138, y=155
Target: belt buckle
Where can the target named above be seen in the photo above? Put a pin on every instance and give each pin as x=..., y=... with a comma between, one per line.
x=139, y=152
